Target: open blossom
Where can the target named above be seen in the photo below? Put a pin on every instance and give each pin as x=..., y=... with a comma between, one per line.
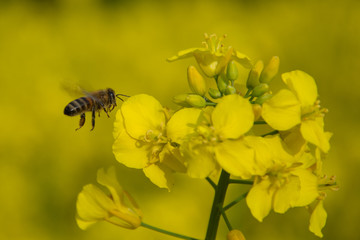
x=298, y=105
x=116, y=206
x=213, y=137
x=283, y=181
x=213, y=57
x=141, y=141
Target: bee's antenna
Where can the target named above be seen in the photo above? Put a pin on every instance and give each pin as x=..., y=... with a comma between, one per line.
x=117, y=95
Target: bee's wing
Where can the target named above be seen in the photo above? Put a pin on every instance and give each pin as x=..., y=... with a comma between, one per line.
x=74, y=89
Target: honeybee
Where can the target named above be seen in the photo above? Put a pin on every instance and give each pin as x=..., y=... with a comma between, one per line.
x=94, y=102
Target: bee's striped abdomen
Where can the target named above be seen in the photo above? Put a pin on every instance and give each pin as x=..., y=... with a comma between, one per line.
x=78, y=106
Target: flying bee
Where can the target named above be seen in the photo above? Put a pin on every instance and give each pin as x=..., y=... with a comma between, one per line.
x=93, y=102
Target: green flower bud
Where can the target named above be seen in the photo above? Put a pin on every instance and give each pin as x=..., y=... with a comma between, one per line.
x=260, y=89
x=270, y=70
x=196, y=101
x=254, y=75
x=214, y=93
x=222, y=83
x=230, y=90
x=181, y=100
x=232, y=71
x=260, y=100
x=196, y=81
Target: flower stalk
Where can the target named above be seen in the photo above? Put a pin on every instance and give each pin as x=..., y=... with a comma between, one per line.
x=216, y=210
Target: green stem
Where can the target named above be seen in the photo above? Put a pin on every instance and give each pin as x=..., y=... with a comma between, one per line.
x=228, y=224
x=218, y=202
x=238, y=199
x=167, y=232
x=239, y=181
x=210, y=104
x=270, y=133
x=259, y=122
x=247, y=94
x=211, y=182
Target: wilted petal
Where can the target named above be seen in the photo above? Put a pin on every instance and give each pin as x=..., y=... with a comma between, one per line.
x=282, y=111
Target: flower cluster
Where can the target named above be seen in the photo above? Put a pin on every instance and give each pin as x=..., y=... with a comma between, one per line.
x=277, y=141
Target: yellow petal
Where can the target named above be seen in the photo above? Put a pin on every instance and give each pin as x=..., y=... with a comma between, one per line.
x=263, y=154
x=159, y=175
x=286, y=195
x=200, y=161
x=313, y=131
x=130, y=152
x=236, y=158
x=183, y=54
x=242, y=59
x=318, y=219
x=259, y=199
x=182, y=123
x=93, y=204
x=233, y=116
x=109, y=180
x=280, y=154
x=118, y=124
x=282, y=111
x=308, y=187
x=142, y=113
x=302, y=85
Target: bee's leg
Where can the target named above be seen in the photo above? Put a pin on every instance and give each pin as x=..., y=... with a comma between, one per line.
x=106, y=112
x=82, y=121
x=93, y=118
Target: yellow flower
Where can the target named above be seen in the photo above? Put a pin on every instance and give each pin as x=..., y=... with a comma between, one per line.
x=281, y=183
x=116, y=207
x=141, y=142
x=214, y=136
x=213, y=57
x=298, y=105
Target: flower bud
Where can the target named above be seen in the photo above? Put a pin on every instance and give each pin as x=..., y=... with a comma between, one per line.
x=196, y=101
x=181, y=100
x=214, y=93
x=263, y=98
x=222, y=83
x=235, y=235
x=260, y=89
x=196, y=81
x=254, y=75
x=232, y=71
x=270, y=70
x=230, y=90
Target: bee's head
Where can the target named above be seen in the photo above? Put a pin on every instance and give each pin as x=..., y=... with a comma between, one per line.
x=112, y=95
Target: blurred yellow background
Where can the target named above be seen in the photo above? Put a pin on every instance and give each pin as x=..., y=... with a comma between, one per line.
x=112, y=43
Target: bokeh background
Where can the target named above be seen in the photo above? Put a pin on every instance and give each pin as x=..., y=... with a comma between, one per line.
x=112, y=43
